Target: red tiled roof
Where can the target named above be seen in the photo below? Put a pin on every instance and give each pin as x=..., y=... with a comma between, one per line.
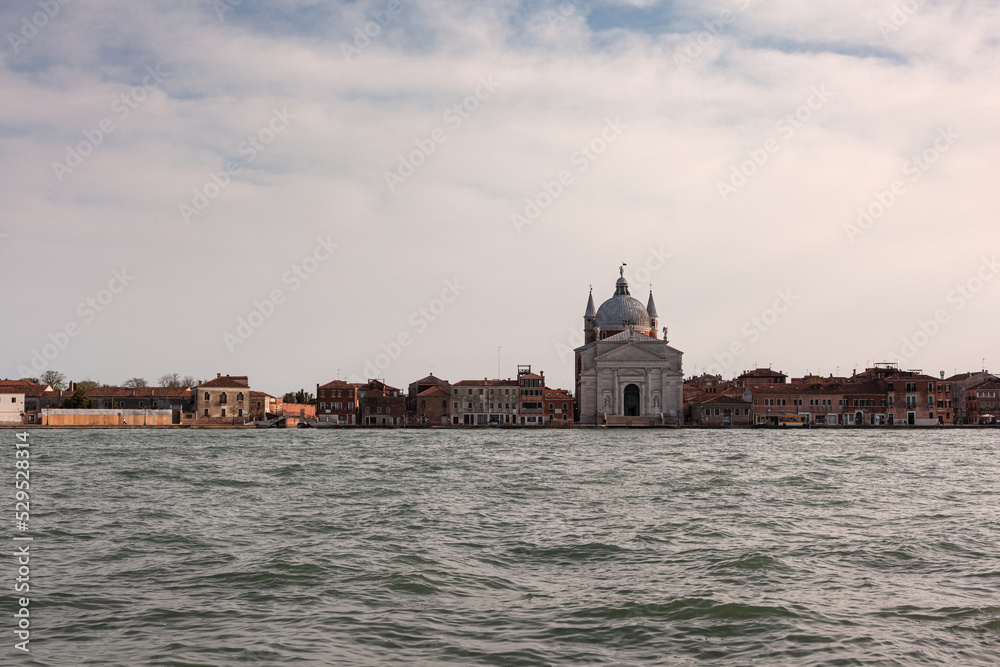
x=486, y=383
x=227, y=381
x=337, y=384
x=140, y=392
x=434, y=391
x=989, y=384
x=762, y=373
x=259, y=394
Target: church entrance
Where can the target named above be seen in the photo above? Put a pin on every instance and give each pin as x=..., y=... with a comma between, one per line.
x=631, y=401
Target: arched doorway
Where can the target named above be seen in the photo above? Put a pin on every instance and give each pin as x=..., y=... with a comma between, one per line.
x=631, y=401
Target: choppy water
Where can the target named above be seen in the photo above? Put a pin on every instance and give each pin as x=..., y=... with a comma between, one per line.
x=511, y=548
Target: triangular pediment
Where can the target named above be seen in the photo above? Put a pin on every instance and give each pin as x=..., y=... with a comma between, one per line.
x=635, y=352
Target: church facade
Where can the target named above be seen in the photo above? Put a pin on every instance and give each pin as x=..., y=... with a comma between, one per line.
x=625, y=373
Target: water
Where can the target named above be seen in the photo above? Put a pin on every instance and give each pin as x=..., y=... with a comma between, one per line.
x=511, y=548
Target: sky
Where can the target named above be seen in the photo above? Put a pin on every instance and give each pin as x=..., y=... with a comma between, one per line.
x=302, y=190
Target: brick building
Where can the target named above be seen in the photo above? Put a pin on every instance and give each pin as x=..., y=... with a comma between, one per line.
x=983, y=401
x=427, y=402
x=337, y=403
x=558, y=407
x=381, y=405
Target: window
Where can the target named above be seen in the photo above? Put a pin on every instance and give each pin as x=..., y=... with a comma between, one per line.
x=206, y=412
x=223, y=399
x=207, y=397
x=223, y=412
x=241, y=412
x=891, y=387
x=239, y=396
x=550, y=407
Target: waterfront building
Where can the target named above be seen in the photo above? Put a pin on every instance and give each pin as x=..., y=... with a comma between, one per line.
x=983, y=401
x=380, y=405
x=558, y=406
x=224, y=399
x=912, y=398
x=337, y=403
x=427, y=402
x=719, y=410
x=11, y=405
x=262, y=406
x=485, y=402
x=626, y=374
x=960, y=384
x=531, y=406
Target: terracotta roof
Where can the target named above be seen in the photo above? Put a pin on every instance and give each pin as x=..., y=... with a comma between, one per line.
x=989, y=384
x=338, y=384
x=852, y=388
x=485, y=383
x=227, y=381
x=140, y=392
x=18, y=383
x=259, y=394
x=908, y=376
x=762, y=373
x=11, y=390
x=723, y=398
x=434, y=391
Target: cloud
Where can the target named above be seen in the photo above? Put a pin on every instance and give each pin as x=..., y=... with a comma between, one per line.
x=563, y=72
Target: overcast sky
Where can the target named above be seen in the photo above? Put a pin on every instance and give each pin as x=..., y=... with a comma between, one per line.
x=168, y=168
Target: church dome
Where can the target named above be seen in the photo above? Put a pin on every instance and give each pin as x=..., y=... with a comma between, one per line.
x=623, y=310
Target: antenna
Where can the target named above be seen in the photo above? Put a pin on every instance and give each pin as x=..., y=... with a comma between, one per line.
x=498, y=362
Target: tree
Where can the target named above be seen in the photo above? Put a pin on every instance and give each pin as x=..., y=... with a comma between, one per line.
x=135, y=382
x=54, y=379
x=79, y=401
x=87, y=385
x=188, y=381
x=169, y=380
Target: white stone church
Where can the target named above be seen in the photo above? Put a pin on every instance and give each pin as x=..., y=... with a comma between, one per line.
x=625, y=374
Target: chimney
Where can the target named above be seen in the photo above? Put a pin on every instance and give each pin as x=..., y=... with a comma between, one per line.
x=218, y=375
x=942, y=375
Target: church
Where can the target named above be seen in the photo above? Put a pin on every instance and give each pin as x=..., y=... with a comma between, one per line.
x=625, y=374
